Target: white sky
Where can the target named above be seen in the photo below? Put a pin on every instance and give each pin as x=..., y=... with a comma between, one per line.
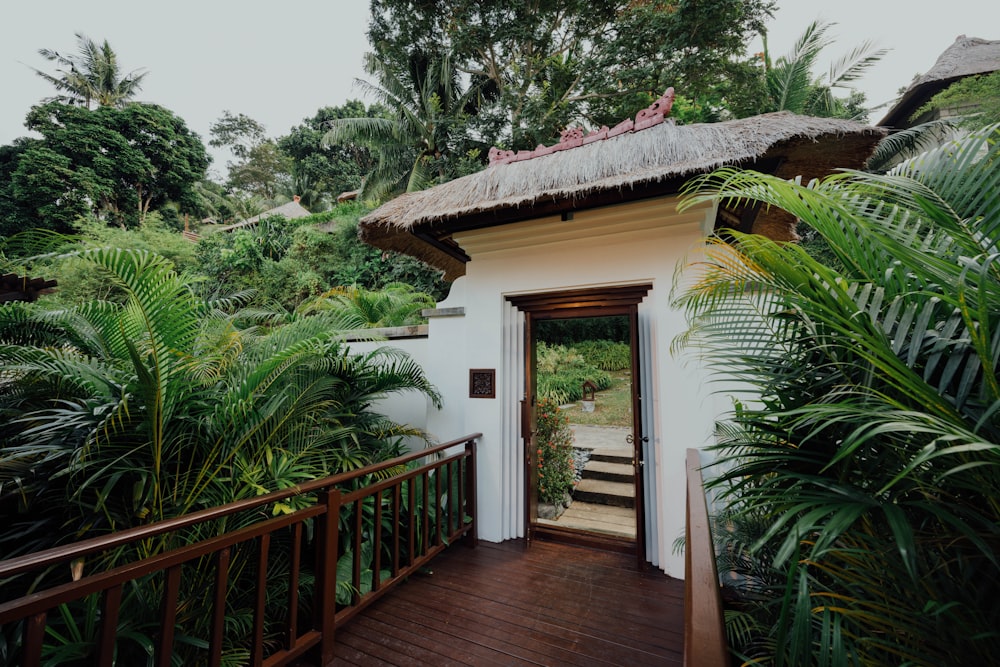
x=278, y=62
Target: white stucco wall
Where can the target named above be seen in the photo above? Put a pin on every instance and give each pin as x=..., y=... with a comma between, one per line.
x=636, y=243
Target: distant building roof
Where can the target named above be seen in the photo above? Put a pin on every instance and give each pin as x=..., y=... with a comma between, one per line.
x=968, y=56
x=289, y=211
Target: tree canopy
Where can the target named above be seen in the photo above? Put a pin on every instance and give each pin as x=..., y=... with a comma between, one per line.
x=117, y=163
x=542, y=65
x=330, y=169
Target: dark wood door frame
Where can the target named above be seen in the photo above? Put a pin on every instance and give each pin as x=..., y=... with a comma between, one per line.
x=573, y=304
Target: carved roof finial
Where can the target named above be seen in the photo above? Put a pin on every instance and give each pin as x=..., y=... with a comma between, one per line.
x=572, y=137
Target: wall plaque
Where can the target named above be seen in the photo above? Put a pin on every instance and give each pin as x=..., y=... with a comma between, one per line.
x=482, y=383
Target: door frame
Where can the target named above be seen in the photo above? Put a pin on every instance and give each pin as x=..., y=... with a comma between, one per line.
x=621, y=300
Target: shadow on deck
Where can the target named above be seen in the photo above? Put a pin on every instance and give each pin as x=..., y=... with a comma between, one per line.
x=498, y=604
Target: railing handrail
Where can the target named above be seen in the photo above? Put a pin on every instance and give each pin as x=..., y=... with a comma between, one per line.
x=47, y=557
x=704, y=628
x=415, y=514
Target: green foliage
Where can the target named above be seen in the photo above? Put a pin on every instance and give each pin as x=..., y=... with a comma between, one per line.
x=581, y=329
x=869, y=447
x=562, y=372
x=79, y=280
x=539, y=67
x=121, y=413
x=697, y=47
x=421, y=131
x=606, y=355
x=976, y=97
x=554, y=455
x=118, y=414
x=116, y=163
x=261, y=169
x=331, y=168
x=93, y=75
x=395, y=305
x=791, y=85
x=288, y=261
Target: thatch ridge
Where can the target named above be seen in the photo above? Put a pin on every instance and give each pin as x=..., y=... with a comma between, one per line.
x=659, y=152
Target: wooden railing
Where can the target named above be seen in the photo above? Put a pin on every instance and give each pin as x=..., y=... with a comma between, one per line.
x=365, y=541
x=704, y=631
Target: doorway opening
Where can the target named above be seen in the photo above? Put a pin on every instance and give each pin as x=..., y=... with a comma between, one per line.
x=615, y=308
x=584, y=447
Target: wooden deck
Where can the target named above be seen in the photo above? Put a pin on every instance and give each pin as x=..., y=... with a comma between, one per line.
x=496, y=604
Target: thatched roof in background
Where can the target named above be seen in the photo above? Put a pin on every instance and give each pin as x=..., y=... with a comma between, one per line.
x=630, y=166
x=968, y=56
x=289, y=211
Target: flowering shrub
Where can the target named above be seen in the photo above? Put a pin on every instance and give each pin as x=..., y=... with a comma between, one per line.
x=554, y=453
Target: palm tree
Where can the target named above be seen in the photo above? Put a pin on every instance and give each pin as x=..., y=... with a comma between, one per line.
x=161, y=404
x=426, y=103
x=868, y=445
x=395, y=305
x=91, y=76
x=792, y=86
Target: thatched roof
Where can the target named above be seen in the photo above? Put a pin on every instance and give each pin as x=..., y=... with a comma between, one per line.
x=289, y=211
x=968, y=56
x=22, y=288
x=636, y=165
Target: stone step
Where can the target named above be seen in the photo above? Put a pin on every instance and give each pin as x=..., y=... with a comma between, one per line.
x=612, y=455
x=601, y=492
x=610, y=472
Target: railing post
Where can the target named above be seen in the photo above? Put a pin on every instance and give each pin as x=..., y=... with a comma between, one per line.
x=326, y=604
x=472, y=537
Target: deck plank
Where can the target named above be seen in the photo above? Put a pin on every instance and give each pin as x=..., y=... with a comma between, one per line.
x=553, y=604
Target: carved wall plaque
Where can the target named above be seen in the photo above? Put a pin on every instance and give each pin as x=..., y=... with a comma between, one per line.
x=482, y=383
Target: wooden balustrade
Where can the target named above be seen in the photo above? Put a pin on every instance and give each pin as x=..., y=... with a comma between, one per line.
x=704, y=631
x=413, y=514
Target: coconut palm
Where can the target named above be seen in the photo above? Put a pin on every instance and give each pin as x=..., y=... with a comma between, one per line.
x=92, y=76
x=426, y=102
x=790, y=80
x=869, y=440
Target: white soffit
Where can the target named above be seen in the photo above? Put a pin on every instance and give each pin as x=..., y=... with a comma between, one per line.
x=623, y=221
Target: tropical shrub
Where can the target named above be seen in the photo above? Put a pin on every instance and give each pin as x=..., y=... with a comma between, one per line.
x=562, y=372
x=605, y=354
x=867, y=449
x=395, y=305
x=554, y=440
x=119, y=414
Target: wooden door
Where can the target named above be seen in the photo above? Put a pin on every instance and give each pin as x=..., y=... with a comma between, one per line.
x=638, y=439
x=529, y=402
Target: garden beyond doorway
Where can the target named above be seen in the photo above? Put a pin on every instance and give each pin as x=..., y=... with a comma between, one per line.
x=585, y=406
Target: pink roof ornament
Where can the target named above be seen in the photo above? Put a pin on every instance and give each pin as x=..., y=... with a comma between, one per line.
x=572, y=137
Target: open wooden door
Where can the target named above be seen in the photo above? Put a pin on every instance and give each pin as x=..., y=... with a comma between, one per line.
x=539, y=312
x=637, y=439
x=528, y=404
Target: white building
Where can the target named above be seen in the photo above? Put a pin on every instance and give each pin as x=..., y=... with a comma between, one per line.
x=589, y=227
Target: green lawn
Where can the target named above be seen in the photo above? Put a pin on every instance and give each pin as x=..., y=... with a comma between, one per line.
x=613, y=406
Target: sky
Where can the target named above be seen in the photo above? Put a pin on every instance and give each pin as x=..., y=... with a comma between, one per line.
x=279, y=62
